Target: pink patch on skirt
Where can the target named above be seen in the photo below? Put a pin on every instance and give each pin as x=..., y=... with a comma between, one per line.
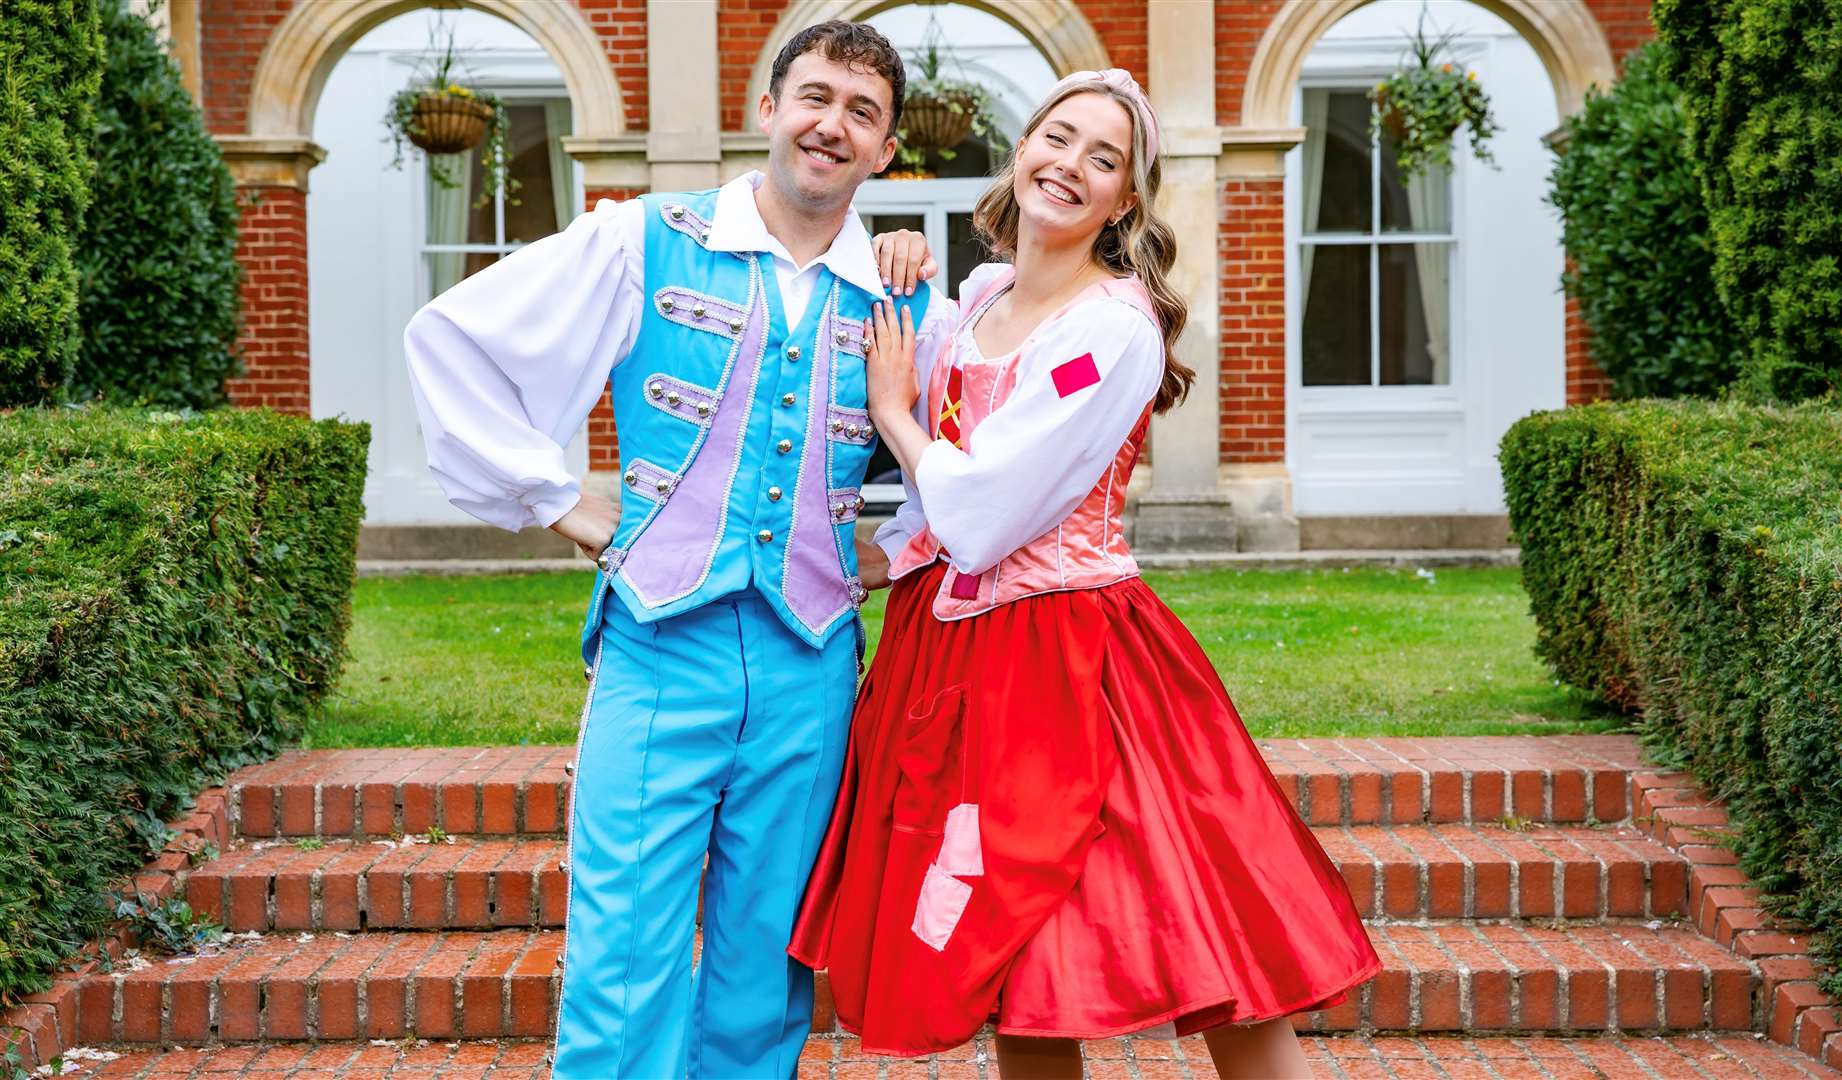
x=965, y=587
x=1076, y=374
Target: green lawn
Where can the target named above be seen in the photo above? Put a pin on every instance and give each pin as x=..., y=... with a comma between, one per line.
x=479, y=660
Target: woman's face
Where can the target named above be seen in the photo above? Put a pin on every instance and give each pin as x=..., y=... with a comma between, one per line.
x=1074, y=171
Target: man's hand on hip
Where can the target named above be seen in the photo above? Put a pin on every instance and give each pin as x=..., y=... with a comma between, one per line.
x=872, y=566
x=589, y=524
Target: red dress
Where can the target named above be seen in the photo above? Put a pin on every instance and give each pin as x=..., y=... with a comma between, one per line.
x=1052, y=817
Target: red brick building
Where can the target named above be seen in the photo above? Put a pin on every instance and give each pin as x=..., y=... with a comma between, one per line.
x=1227, y=77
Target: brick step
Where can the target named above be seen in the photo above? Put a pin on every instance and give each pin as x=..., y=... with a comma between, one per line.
x=1143, y=1057
x=444, y=985
x=1400, y=872
x=523, y=790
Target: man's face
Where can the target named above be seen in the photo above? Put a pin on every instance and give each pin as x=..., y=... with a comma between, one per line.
x=828, y=132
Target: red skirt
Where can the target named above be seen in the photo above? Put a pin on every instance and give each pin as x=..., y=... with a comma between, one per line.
x=1129, y=859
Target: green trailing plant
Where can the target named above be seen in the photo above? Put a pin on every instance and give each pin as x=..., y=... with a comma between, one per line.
x=178, y=590
x=1760, y=81
x=160, y=278
x=50, y=67
x=1641, y=263
x=1425, y=101
x=439, y=77
x=1684, y=562
x=928, y=88
x=167, y=926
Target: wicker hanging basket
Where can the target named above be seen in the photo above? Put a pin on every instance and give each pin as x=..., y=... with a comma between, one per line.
x=931, y=122
x=446, y=124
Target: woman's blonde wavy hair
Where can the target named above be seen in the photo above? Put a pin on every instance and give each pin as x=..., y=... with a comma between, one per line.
x=1140, y=243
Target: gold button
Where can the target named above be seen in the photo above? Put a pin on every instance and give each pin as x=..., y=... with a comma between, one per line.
x=631, y=478
x=765, y=535
x=673, y=398
x=787, y=399
x=656, y=389
x=703, y=408
x=793, y=352
x=786, y=446
x=774, y=494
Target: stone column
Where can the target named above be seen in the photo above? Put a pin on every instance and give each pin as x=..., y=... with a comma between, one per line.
x=1185, y=508
x=684, y=136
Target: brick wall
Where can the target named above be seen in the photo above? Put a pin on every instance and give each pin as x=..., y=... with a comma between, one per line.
x=743, y=28
x=232, y=34
x=603, y=443
x=272, y=246
x=1251, y=240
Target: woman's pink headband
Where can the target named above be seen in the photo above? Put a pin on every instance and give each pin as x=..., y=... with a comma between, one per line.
x=1119, y=79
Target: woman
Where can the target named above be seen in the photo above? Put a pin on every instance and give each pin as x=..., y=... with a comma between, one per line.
x=1052, y=816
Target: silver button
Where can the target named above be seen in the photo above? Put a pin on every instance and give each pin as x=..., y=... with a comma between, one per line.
x=788, y=399
x=774, y=494
x=697, y=310
x=860, y=503
x=793, y=352
x=587, y=673
x=837, y=424
x=704, y=236
x=843, y=338
x=677, y=213
x=563, y=866
x=765, y=535
x=656, y=390
x=667, y=303
x=570, y=766
x=663, y=486
x=868, y=431
x=735, y=326
x=851, y=430
x=606, y=561
x=673, y=398
x=703, y=408
x=786, y=446
x=631, y=477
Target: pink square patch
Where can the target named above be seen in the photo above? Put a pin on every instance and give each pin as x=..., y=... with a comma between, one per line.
x=965, y=587
x=1076, y=374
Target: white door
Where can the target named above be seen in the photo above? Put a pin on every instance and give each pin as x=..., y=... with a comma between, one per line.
x=1424, y=315
x=382, y=241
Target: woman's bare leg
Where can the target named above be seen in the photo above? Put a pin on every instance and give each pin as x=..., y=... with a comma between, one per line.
x=1268, y=1051
x=1023, y=1058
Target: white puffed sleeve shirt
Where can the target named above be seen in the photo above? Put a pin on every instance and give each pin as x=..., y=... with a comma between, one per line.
x=506, y=365
x=1029, y=463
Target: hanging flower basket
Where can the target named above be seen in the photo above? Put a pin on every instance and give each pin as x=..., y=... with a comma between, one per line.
x=447, y=124
x=1425, y=102
x=939, y=121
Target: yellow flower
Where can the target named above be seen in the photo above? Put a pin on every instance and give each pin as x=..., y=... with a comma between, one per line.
x=1472, y=76
x=458, y=90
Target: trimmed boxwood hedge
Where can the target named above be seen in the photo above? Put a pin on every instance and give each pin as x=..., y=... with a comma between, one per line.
x=174, y=596
x=1685, y=562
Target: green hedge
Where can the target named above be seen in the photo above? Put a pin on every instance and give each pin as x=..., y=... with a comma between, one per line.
x=50, y=67
x=158, y=304
x=1685, y=561
x=1760, y=81
x=1636, y=235
x=177, y=592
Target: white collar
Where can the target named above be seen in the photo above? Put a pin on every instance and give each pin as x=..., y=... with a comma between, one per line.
x=737, y=226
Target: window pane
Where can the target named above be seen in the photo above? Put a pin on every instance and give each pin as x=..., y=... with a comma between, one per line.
x=533, y=215
x=1334, y=344
x=1416, y=302
x=965, y=251
x=1336, y=162
x=1423, y=204
x=882, y=223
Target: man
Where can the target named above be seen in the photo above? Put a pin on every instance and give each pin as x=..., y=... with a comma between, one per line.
x=722, y=639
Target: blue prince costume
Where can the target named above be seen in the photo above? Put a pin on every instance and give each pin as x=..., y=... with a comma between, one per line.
x=722, y=641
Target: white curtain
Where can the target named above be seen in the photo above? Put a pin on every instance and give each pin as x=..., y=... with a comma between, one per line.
x=562, y=166
x=1317, y=119
x=448, y=215
x=1429, y=203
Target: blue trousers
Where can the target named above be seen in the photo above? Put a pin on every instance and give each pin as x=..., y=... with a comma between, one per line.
x=715, y=732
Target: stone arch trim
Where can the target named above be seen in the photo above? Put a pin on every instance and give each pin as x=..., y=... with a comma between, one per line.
x=1057, y=28
x=1564, y=34
x=301, y=51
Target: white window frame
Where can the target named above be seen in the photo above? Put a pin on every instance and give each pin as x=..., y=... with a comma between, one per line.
x=529, y=94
